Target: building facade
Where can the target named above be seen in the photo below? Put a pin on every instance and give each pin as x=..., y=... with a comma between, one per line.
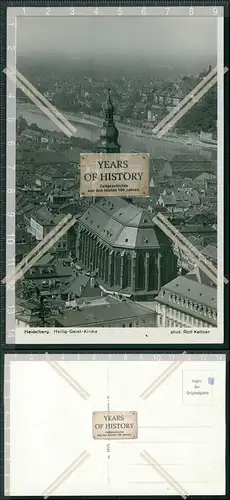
x=184, y=302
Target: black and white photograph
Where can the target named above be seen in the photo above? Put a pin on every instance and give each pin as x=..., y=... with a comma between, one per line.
x=116, y=269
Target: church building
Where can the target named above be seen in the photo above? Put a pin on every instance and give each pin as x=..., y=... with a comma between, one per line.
x=118, y=241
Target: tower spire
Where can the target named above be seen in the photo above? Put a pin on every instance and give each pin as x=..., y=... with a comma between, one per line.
x=108, y=142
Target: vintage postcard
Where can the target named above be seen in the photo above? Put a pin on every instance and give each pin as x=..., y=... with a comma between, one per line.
x=172, y=408
x=115, y=175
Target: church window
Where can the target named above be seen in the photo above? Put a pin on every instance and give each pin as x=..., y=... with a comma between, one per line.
x=127, y=270
x=106, y=263
x=112, y=270
x=140, y=274
x=118, y=269
x=152, y=272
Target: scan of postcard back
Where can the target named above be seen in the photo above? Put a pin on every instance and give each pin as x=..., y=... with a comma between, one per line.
x=115, y=425
x=115, y=229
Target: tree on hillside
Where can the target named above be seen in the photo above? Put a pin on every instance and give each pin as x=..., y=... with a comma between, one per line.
x=34, y=126
x=21, y=124
x=202, y=116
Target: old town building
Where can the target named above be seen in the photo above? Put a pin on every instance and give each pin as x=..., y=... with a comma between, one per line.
x=187, y=301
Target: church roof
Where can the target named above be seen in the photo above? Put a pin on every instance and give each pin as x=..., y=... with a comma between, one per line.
x=192, y=290
x=122, y=224
x=108, y=309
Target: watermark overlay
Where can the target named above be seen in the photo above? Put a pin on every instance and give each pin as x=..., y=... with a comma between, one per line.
x=159, y=380
x=185, y=100
x=114, y=174
x=164, y=474
x=81, y=458
x=191, y=248
x=65, y=474
x=42, y=251
x=184, y=106
x=58, y=119
x=186, y=246
x=36, y=249
x=181, y=240
x=69, y=379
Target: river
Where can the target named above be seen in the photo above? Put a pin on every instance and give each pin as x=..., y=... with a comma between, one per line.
x=155, y=147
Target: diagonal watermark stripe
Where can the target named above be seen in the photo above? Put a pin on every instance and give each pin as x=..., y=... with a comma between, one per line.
x=186, y=108
x=190, y=248
x=44, y=250
x=186, y=99
x=164, y=474
x=25, y=260
x=185, y=249
x=196, y=257
x=162, y=377
x=181, y=238
x=69, y=379
x=34, y=99
x=65, y=474
x=43, y=99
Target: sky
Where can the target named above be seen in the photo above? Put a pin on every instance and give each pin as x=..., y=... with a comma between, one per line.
x=162, y=38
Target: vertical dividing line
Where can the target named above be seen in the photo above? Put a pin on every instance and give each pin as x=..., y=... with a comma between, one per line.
x=11, y=42
x=220, y=171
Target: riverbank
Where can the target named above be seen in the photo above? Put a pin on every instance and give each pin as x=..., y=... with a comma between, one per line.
x=89, y=127
x=127, y=129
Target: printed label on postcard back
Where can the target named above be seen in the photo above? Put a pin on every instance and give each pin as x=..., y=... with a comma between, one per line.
x=114, y=174
x=115, y=425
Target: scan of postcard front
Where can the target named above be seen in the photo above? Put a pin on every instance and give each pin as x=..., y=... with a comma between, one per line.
x=115, y=425
x=115, y=161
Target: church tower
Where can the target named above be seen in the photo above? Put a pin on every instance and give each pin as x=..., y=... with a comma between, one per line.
x=108, y=141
